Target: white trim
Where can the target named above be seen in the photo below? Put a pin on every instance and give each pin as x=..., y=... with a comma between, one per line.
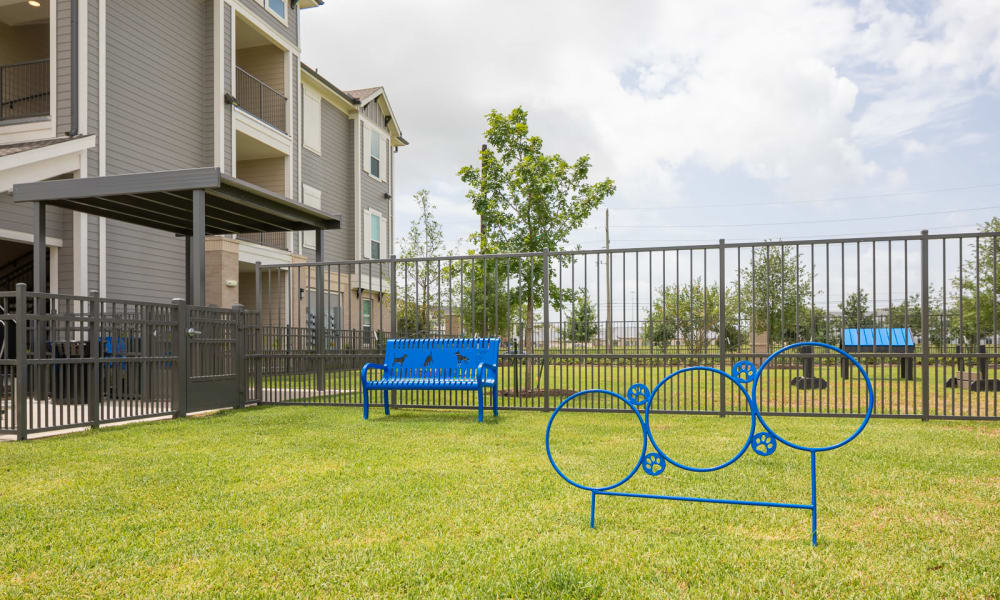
x=53, y=92
x=218, y=58
x=232, y=89
x=102, y=252
x=309, y=192
x=54, y=270
x=264, y=29
x=43, y=163
x=83, y=77
x=251, y=253
x=26, y=157
x=22, y=236
x=81, y=244
x=261, y=131
x=25, y=131
x=357, y=187
x=102, y=137
x=290, y=191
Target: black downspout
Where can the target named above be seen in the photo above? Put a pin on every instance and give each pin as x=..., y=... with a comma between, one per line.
x=74, y=68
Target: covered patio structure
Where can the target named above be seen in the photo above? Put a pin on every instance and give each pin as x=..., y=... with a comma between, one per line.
x=189, y=202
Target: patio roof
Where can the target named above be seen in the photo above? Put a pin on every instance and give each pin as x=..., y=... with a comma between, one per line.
x=164, y=200
x=188, y=202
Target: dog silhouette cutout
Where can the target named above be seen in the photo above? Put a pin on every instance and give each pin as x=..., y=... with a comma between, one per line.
x=428, y=360
x=461, y=357
x=399, y=360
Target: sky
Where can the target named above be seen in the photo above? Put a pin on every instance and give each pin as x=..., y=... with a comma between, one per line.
x=790, y=119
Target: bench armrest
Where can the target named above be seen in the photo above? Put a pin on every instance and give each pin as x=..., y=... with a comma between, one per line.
x=367, y=366
x=481, y=370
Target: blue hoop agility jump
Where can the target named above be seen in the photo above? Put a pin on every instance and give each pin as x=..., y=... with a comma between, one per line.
x=653, y=460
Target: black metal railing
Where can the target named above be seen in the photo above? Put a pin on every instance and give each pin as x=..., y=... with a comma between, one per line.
x=24, y=89
x=260, y=100
x=271, y=239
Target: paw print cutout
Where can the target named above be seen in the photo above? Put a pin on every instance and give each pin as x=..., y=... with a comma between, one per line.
x=653, y=464
x=744, y=371
x=764, y=444
x=637, y=395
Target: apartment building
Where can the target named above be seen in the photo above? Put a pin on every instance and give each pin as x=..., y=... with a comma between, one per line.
x=97, y=88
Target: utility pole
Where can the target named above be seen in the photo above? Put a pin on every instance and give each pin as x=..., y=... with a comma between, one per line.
x=607, y=273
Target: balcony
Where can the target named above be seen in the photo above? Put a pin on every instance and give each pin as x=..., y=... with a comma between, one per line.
x=273, y=239
x=260, y=100
x=24, y=89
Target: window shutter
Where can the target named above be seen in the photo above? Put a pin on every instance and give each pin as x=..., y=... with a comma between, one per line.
x=366, y=149
x=312, y=123
x=366, y=241
x=384, y=227
x=384, y=160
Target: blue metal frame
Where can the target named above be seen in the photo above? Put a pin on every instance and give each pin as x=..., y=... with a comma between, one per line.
x=652, y=460
x=435, y=364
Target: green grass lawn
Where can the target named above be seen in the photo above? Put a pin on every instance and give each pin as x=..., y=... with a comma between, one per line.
x=313, y=501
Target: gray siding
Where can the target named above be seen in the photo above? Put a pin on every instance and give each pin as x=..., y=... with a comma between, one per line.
x=155, y=121
x=227, y=86
x=373, y=111
x=373, y=193
x=290, y=32
x=332, y=174
x=295, y=192
x=62, y=65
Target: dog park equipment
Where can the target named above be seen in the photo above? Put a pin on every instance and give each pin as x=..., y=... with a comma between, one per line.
x=435, y=364
x=653, y=460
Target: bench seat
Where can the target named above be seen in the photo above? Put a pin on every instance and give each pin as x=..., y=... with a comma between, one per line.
x=435, y=364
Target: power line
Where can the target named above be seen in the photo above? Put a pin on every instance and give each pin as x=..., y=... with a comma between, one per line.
x=754, y=239
x=829, y=199
x=809, y=222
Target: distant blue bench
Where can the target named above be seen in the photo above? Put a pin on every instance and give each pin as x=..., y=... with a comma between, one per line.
x=436, y=364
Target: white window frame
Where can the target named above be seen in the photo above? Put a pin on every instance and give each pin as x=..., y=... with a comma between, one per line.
x=271, y=11
x=312, y=126
x=366, y=302
x=313, y=198
x=375, y=153
x=383, y=242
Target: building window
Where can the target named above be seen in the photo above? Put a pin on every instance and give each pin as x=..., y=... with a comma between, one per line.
x=366, y=316
x=278, y=7
x=376, y=154
x=376, y=235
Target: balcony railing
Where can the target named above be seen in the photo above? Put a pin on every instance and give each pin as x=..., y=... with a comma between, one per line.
x=271, y=239
x=24, y=89
x=260, y=100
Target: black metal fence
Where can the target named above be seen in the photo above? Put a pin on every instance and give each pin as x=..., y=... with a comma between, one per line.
x=260, y=100
x=578, y=320
x=24, y=89
x=82, y=361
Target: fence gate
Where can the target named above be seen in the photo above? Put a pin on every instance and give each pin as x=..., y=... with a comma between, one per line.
x=214, y=339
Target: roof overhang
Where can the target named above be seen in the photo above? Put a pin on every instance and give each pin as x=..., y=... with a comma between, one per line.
x=163, y=200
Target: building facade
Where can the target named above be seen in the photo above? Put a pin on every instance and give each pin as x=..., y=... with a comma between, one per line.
x=91, y=88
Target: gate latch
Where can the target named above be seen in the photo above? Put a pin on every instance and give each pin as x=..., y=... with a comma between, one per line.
x=193, y=332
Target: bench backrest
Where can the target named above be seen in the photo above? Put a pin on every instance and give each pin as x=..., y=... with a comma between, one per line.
x=439, y=357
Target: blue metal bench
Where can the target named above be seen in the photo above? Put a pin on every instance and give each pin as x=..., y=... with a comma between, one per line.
x=435, y=364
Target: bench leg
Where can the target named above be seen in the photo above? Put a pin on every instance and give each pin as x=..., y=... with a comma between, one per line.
x=364, y=400
x=385, y=399
x=495, y=408
x=480, y=405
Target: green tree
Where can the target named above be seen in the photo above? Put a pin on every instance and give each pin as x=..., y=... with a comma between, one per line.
x=856, y=311
x=419, y=283
x=688, y=316
x=582, y=324
x=776, y=296
x=528, y=201
x=972, y=308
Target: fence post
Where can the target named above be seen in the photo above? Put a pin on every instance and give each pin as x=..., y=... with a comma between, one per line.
x=94, y=380
x=545, y=324
x=925, y=348
x=239, y=355
x=321, y=320
x=181, y=341
x=21, y=350
x=392, y=312
x=722, y=324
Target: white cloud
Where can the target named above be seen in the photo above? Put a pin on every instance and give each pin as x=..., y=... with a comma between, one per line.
x=798, y=94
